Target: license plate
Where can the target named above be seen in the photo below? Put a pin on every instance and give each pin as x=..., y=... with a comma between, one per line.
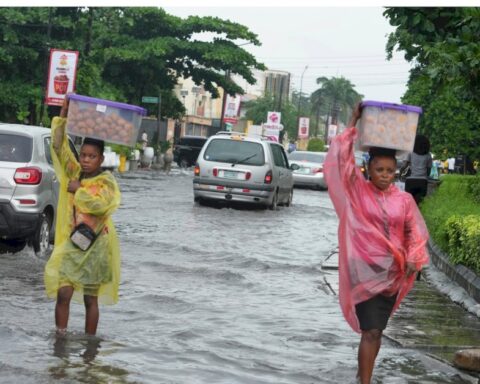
x=229, y=174
x=304, y=171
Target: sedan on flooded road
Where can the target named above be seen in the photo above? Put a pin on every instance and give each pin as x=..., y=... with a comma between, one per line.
x=310, y=169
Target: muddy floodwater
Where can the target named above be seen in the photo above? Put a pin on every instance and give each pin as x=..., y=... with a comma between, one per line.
x=215, y=295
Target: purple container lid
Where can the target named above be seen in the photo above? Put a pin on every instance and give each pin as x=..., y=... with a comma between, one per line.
x=108, y=103
x=399, y=107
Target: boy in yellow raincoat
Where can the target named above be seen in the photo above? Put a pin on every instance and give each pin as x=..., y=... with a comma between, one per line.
x=87, y=195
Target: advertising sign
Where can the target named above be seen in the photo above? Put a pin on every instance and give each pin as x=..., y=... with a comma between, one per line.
x=271, y=134
x=62, y=72
x=232, y=108
x=274, y=117
x=303, y=127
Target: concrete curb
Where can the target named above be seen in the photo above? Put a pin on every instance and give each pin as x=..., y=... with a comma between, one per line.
x=459, y=274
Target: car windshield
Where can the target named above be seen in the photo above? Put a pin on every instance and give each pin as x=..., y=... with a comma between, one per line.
x=307, y=156
x=235, y=152
x=15, y=148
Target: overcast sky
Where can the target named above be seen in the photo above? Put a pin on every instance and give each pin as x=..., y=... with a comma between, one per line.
x=331, y=41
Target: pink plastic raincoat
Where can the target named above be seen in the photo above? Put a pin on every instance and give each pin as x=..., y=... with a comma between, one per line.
x=379, y=231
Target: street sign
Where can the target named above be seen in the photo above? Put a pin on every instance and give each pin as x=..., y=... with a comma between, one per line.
x=149, y=99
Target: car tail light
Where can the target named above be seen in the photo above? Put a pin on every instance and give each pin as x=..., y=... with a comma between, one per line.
x=268, y=177
x=28, y=175
x=196, y=170
x=248, y=175
x=317, y=170
x=27, y=201
x=215, y=172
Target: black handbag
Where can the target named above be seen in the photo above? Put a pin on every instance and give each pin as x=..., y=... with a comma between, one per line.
x=83, y=236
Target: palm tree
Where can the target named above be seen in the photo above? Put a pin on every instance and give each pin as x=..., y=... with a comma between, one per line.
x=336, y=94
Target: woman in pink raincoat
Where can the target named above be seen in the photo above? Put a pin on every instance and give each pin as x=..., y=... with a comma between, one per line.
x=382, y=241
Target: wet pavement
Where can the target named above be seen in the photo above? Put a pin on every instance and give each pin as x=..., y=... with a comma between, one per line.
x=212, y=295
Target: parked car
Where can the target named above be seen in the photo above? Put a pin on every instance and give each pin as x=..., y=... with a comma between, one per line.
x=235, y=167
x=361, y=163
x=186, y=150
x=310, y=169
x=28, y=189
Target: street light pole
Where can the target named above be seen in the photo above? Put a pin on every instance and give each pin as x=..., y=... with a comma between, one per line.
x=300, y=95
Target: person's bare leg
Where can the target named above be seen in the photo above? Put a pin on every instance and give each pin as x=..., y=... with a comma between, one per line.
x=367, y=353
x=62, y=308
x=92, y=314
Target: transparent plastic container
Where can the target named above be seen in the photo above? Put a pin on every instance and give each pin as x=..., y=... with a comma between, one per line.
x=388, y=125
x=103, y=119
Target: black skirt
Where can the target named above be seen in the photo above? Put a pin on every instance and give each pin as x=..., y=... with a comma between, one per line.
x=375, y=312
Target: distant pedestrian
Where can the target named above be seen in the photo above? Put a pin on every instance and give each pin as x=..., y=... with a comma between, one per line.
x=382, y=241
x=451, y=165
x=167, y=160
x=144, y=140
x=292, y=146
x=420, y=162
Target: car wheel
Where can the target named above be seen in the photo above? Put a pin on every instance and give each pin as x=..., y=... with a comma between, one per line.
x=41, y=238
x=12, y=245
x=290, y=199
x=274, y=204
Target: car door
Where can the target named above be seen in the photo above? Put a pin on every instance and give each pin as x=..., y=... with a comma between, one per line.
x=281, y=171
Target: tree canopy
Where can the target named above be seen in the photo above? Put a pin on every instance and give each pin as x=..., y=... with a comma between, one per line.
x=336, y=96
x=443, y=45
x=125, y=53
x=258, y=109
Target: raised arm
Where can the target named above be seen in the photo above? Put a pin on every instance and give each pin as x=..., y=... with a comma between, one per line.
x=64, y=160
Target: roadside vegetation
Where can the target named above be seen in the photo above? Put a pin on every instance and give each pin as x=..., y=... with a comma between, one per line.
x=452, y=215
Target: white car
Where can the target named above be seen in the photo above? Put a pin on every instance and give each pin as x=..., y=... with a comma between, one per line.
x=28, y=188
x=234, y=167
x=309, y=172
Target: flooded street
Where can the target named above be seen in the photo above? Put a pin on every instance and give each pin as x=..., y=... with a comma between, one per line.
x=213, y=295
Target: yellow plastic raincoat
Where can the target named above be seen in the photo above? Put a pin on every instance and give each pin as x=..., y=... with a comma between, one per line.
x=95, y=271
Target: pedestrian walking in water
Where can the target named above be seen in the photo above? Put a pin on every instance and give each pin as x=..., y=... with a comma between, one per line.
x=85, y=263
x=382, y=241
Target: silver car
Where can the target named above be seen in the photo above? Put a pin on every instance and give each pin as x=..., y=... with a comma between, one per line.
x=309, y=172
x=28, y=189
x=235, y=167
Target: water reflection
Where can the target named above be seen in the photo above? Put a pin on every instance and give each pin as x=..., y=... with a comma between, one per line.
x=78, y=361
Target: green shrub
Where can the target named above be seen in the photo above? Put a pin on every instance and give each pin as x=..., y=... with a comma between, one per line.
x=452, y=198
x=463, y=234
x=474, y=188
x=316, y=145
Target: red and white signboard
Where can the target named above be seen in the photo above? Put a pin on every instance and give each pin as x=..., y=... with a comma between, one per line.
x=271, y=134
x=232, y=108
x=303, y=127
x=274, y=117
x=62, y=73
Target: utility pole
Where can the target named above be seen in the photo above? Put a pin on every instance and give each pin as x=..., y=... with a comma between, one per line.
x=158, y=120
x=301, y=89
x=300, y=96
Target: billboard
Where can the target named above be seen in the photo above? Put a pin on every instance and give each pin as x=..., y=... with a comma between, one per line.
x=62, y=73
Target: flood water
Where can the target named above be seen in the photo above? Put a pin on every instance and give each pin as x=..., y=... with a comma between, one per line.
x=208, y=295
